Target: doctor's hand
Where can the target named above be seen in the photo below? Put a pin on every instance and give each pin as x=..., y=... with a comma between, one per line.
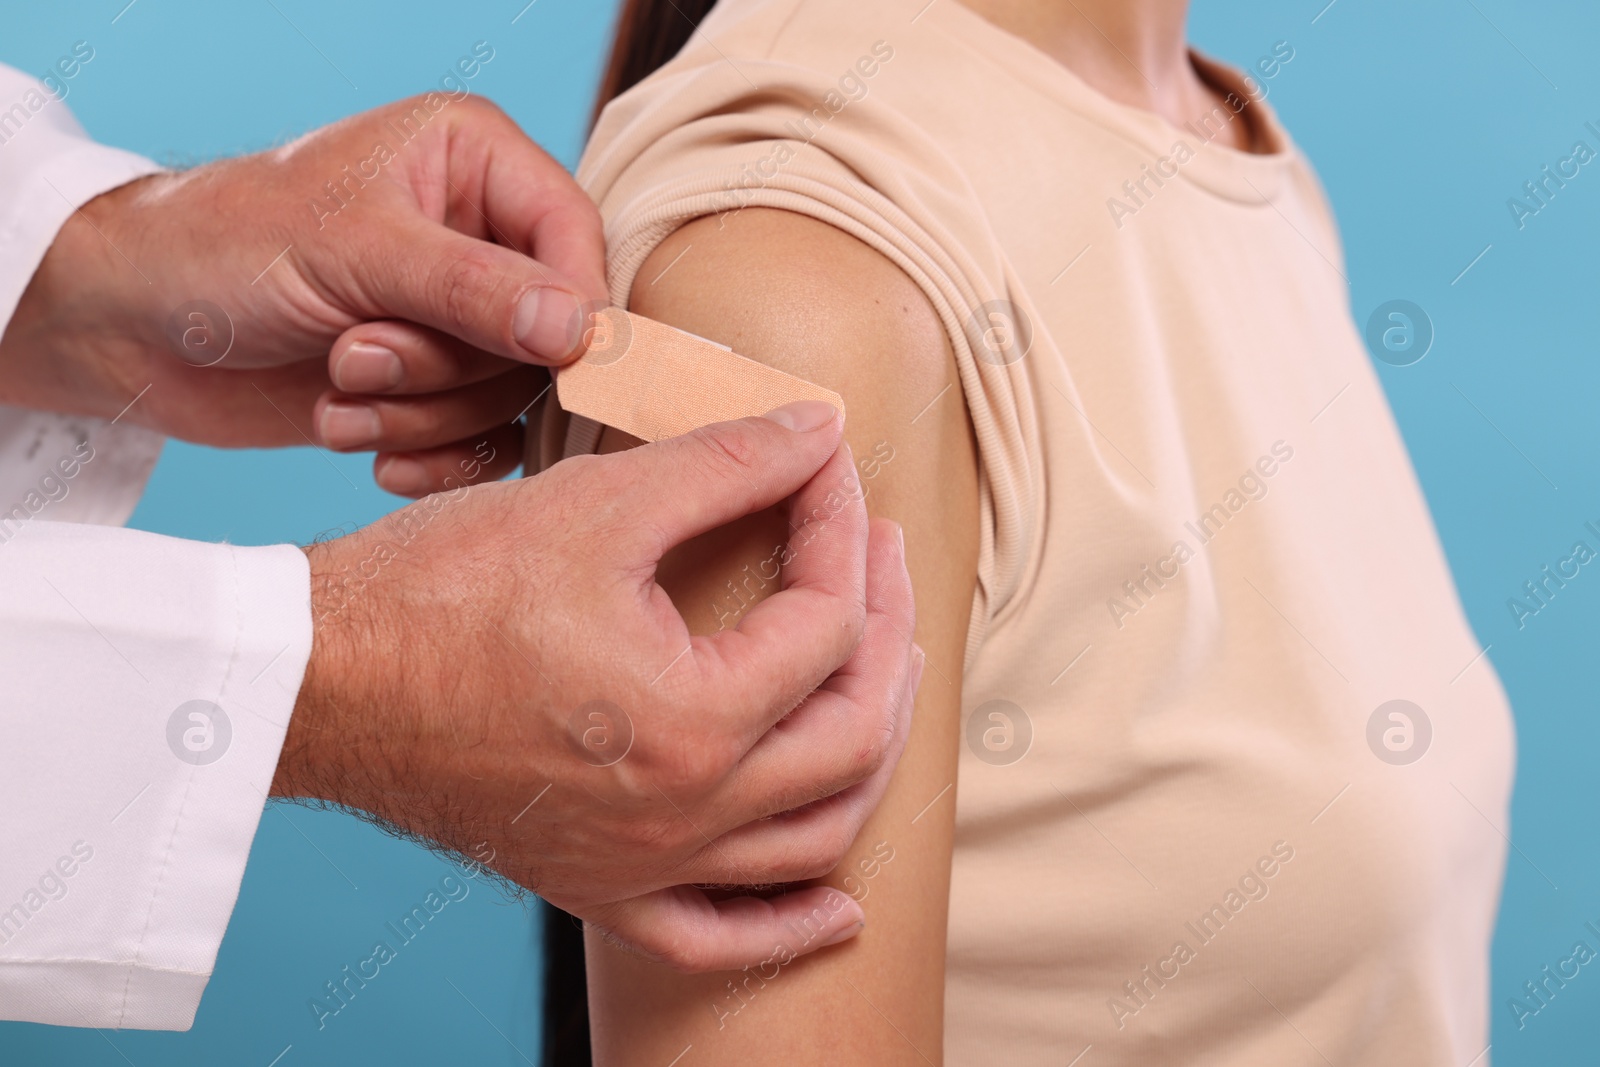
x=382, y=284
x=496, y=670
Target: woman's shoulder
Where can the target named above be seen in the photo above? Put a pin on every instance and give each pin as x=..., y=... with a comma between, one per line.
x=825, y=79
x=802, y=153
x=808, y=297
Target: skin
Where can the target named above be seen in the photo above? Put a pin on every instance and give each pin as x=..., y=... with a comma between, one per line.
x=440, y=704
x=434, y=260
x=772, y=286
x=837, y=313
x=465, y=258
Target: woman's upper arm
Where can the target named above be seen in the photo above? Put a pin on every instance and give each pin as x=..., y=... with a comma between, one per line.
x=810, y=299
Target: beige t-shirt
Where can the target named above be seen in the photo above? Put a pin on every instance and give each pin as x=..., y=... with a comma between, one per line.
x=1186, y=830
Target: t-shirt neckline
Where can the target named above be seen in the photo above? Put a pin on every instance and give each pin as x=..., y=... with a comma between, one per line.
x=1235, y=174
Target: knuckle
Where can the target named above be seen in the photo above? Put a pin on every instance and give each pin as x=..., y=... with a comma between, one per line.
x=464, y=282
x=800, y=868
x=881, y=643
x=717, y=756
x=645, y=942
x=822, y=851
x=662, y=943
x=572, y=478
x=688, y=754
x=453, y=361
x=851, y=608
x=726, y=449
x=836, y=841
x=691, y=768
x=650, y=836
x=877, y=745
x=424, y=422
x=594, y=492
x=415, y=104
x=481, y=108
x=685, y=955
x=856, y=627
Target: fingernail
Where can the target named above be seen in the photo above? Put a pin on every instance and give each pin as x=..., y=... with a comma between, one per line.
x=367, y=368
x=804, y=416
x=348, y=425
x=548, y=323
x=845, y=934
x=402, y=476
x=900, y=537
x=919, y=661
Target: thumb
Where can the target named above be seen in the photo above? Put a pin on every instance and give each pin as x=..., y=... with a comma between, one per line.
x=683, y=486
x=489, y=296
x=689, y=932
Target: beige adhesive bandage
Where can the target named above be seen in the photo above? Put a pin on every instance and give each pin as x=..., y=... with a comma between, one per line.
x=650, y=380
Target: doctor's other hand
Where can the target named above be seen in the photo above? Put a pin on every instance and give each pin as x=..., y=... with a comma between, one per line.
x=496, y=670
x=395, y=282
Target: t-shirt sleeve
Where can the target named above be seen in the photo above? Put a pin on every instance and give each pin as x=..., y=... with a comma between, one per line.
x=716, y=139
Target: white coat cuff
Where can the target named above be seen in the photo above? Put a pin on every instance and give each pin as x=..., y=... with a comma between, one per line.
x=119, y=649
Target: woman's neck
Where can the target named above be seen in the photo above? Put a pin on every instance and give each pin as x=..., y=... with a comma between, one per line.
x=1133, y=51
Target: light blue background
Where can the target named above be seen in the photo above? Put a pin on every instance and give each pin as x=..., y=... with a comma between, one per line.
x=1423, y=119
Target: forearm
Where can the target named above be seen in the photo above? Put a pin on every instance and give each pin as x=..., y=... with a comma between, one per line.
x=322, y=747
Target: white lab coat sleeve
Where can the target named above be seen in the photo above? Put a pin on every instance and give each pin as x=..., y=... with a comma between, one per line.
x=48, y=169
x=148, y=681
